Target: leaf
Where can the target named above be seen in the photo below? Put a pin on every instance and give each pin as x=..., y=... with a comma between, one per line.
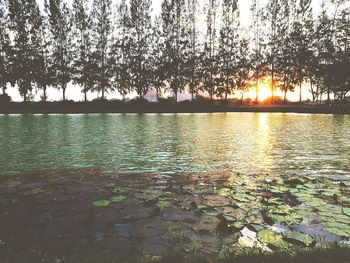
x=300, y=237
x=119, y=190
x=290, y=219
x=118, y=198
x=208, y=210
x=236, y=225
x=102, y=203
x=164, y=202
x=346, y=211
x=267, y=236
x=223, y=191
x=340, y=229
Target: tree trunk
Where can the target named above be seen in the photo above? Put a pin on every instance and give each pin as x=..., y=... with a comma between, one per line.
x=85, y=95
x=328, y=95
x=242, y=98
x=103, y=93
x=257, y=92
x=175, y=96
x=300, y=90
x=64, y=92
x=285, y=96
x=4, y=90
x=45, y=96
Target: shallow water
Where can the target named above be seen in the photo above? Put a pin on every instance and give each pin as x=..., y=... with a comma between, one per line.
x=168, y=144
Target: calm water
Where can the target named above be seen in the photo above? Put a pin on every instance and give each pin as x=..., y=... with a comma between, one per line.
x=249, y=143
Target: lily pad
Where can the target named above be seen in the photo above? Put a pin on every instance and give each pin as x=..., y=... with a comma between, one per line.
x=102, y=203
x=119, y=190
x=243, y=197
x=223, y=191
x=164, y=202
x=346, y=211
x=236, y=225
x=208, y=210
x=118, y=198
x=268, y=237
x=299, y=237
x=340, y=229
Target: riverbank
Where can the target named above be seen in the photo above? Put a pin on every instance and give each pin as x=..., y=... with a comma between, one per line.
x=163, y=107
x=72, y=215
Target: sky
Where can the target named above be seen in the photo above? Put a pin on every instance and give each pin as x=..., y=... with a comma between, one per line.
x=73, y=92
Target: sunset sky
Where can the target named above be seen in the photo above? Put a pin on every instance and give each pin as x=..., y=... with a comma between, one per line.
x=73, y=92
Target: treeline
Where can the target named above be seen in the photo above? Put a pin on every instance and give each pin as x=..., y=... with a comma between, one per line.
x=191, y=46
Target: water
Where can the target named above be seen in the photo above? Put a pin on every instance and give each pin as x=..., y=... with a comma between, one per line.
x=170, y=144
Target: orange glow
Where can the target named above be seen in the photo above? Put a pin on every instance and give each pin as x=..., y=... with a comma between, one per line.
x=264, y=91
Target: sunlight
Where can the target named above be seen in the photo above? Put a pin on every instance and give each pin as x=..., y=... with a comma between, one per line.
x=264, y=91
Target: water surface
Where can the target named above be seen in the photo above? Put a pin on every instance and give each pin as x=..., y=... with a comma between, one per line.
x=170, y=144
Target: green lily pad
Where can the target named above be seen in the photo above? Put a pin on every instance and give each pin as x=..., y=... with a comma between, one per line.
x=236, y=225
x=223, y=191
x=119, y=190
x=102, y=203
x=346, y=211
x=164, y=202
x=118, y=198
x=290, y=219
x=340, y=229
x=208, y=210
x=268, y=237
x=299, y=237
x=243, y=197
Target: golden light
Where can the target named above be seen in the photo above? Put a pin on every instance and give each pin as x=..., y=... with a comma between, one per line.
x=264, y=91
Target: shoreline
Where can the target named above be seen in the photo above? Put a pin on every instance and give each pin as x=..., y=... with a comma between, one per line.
x=181, y=107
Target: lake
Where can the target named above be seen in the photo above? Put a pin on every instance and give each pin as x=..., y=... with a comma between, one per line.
x=173, y=144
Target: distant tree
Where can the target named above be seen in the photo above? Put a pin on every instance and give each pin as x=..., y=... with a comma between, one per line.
x=228, y=47
x=194, y=48
x=301, y=39
x=101, y=38
x=243, y=68
x=5, y=52
x=140, y=29
x=60, y=18
x=258, y=42
x=176, y=44
x=158, y=73
x=209, y=65
x=121, y=50
x=82, y=46
x=25, y=24
x=45, y=63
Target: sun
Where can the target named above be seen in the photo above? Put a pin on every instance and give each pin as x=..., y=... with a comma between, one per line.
x=264, y=91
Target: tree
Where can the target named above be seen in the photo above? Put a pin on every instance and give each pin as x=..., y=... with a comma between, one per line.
x=194, y=46
x=209, y=67
x=301, y=39
x=257, y=54
x=82, y=47
x=5, y=52
x=228, y=47
x=101, y=36
x=140, y=29
x=176, y=44
x=61, y=24
x=25, y=24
